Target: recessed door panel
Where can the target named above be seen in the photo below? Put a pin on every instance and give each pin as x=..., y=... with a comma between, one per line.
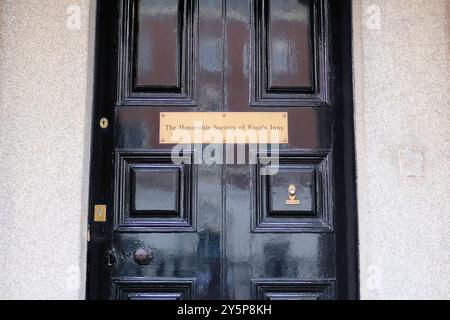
x=153, y=193
x=155, y=190
x=293, y=290
x=296, y=196
x=147, y=290
x=159, y=45
x=291, y=53
x=292, y=191
x=156, y=58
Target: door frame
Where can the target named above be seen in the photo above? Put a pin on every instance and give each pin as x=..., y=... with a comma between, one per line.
x=101, y=190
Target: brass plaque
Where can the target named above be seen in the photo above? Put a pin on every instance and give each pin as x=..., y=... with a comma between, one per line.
x=223, y=128
x=100, y=213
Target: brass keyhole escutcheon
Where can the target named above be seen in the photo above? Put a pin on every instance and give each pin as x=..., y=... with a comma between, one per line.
x=292, y=201
x=100, y=213
x=104, y=123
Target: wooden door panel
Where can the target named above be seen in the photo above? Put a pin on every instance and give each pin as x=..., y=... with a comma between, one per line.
x=147, y=290
x=292, y=290
x=153, y=193
x=286, y=42
x=156, y=54
x=159, y=42
x=291, y=53
x=312, y=175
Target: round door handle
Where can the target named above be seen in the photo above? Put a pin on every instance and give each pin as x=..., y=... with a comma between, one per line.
x=143, y=256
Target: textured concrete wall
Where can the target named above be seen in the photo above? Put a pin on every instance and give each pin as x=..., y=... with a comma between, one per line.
x=45, y=104
x=402, y=90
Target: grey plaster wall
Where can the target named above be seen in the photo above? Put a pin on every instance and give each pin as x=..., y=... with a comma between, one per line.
x=45, y=105
x=402, y=90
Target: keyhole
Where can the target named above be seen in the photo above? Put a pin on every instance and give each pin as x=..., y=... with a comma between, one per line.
x=104, y=123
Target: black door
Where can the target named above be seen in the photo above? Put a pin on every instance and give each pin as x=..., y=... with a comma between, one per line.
x=165, y=229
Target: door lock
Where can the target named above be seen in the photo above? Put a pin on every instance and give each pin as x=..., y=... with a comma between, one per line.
x=100, y=213
x=104, y=123
x=111, y=258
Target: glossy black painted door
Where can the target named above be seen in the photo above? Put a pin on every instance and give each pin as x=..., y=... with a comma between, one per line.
x=223, y=231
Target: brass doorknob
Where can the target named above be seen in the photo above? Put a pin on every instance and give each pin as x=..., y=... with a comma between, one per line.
x=143, y=256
